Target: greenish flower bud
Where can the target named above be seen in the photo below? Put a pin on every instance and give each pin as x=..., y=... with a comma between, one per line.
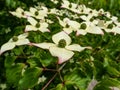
x=62, y=43
x=110, y=26
x=90, y=11
x=91, y=19
x=83, y=26
x=36, y=13
x=70, y=5
x=37, y=25
x=82, y=10
x=67, y=26
x=15, y=38
x=23, y=13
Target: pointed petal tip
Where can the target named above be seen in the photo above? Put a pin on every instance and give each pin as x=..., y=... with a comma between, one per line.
x=48, y=30
x=33, y=44
x=88, y=47
x=25, y=30
x=102, y=33
x=60, y=60
x=30, y=44
x=77, y=34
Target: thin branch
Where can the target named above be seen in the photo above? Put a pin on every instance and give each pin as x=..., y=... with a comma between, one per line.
x=49, y=81
x=46, y=69
x=58, y=71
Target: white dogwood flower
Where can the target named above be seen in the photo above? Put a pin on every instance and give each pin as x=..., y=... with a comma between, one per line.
x=39, y=14
x=61, y=47
x=89, y=27
x=19, y=13
x=36, y=26
x=69, y=25
x=70, y=6
x=109, y=27
x=15, y=41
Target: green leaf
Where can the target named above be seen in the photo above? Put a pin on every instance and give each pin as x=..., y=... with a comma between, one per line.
x=74, y=78
x=8, y=2
x=101, y=88
x=14, y=73
x=34, y=62
x=30, y=78
x=111, y=82
x=47, y=59
x=9, y=60
x=61, y=87
x=105, y=84
x=112, y=71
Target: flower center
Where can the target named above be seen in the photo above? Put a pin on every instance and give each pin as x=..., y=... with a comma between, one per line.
x=37, y=25
x=70, y=5
x=23, y=13
x=82, y=10
x=62, y=43
x=110, y=26
x=83, y=26
x=67, y=26
x=91, y=19
x=15, y=38
x=90, y=11
x=36, y=13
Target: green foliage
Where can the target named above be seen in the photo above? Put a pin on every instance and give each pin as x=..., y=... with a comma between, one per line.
x=73, y=78
x=13, y=74
x=30, y=78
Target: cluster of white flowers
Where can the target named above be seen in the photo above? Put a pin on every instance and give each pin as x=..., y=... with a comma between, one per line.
x=72, y=18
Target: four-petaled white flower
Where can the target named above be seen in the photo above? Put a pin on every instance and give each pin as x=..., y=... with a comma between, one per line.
x=69, y=25
x=70, y=6
x=61, y=47
x=39, y=14
x=20, y=13
x=35, y=25
x=89, y=27
x=109, y=27
x=15, y=41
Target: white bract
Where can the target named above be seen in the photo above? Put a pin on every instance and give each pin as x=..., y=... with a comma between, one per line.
x=54, y=1
x=36, y=26
x=15, y=41
x=61, y=47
